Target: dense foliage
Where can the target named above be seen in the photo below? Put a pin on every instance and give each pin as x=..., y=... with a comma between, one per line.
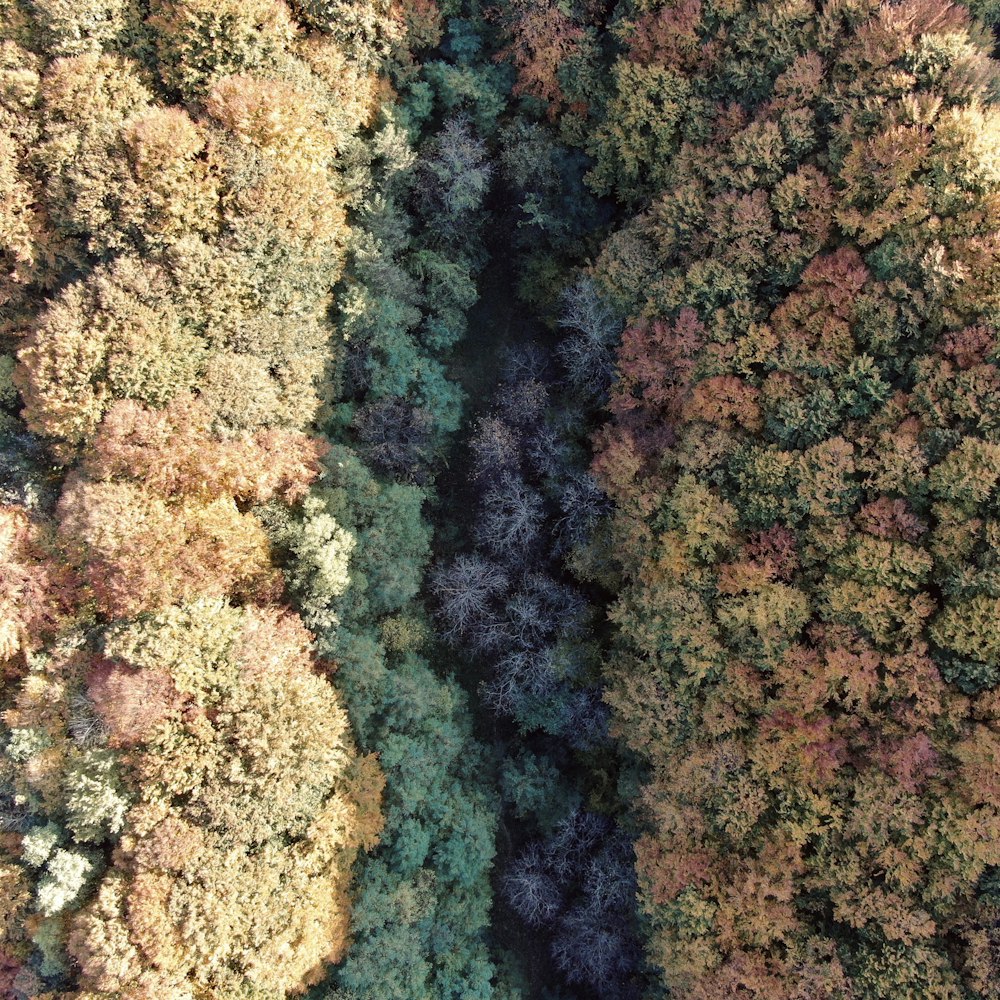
x=184, y=799
x=799, y=456
x=499, y=500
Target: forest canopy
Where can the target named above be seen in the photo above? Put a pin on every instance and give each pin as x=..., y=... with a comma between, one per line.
x=498, y=501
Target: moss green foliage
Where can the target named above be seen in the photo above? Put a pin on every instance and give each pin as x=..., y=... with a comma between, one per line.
x=422, y=906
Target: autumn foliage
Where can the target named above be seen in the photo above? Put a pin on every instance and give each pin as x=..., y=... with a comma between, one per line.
x=542, y=37
x=183, y=796
x=801, y=450
x=255, y=855
x=39, y=595
x=239, y=243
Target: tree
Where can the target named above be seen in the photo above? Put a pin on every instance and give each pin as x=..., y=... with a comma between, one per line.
x=541, y=38
x=170, y=283
x=511, y=519
x=245, y=839
x=175, y=452
x=496, y=448
x=74, y=29
x=634, y=145
x=154, y=517
x=115, y=336
x=87, y=190
x=397, y=437
x=531, y=891
x=588, y=352
x=466, y=590
x=366, y=29
x=454, y=177
x=38, y=593
x=198, y=43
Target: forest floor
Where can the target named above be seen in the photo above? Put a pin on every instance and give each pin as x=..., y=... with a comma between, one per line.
x=498, y=323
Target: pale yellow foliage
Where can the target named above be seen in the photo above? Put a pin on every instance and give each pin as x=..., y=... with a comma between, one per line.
x=321, y=568
x=29, y=251
x=273, y=117
x=75, y=27
x=201, y=41
x=354, y=93
x=140, y=552
x=19, y=224
x=176, y=184
x=11, y=612
x=967, y=148
x=116, y=335
x=365, y=29
x=190, y=644
x=240, y=847
x=85, y=102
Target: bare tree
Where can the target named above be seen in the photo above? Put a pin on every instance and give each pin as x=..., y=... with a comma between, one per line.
x=523, y=402
x=398, y=437
x=526, y=362
x=465, y=590
x=85, y=725
x=576, y=838
x=531, y=890
x=511, y=519
x=518, y=677
x=587, y=353
x=562, y=610
x=587, y=719
x=15, y=814
x=609, y=882
x=596, y=950
x=531, y=622
x=582, y=503
x=496, y=449
x=597, y=942
x=551, y=450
